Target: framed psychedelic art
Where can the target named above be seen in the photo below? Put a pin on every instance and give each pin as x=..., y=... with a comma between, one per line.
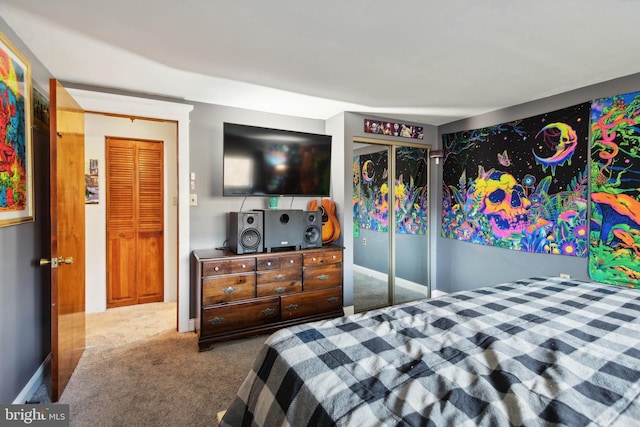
x=16, y=156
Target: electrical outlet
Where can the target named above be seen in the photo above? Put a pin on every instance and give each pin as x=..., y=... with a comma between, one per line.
x=565, y=276
x=193, y=200
x=364, y=241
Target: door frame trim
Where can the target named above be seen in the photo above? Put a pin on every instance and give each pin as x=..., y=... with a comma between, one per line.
x=102, y=102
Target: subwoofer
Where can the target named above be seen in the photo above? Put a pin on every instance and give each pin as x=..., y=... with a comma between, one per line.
x=246, y=232
x=311, y=229
x=282, y=229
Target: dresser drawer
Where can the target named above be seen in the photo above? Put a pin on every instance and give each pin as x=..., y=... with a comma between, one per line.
x=279, y=288
x=228, y=266
x=230, y=317
x=275, y=262
x=330, y=257
x=327, y=276
x=310, y=303
x=284, y=275
x=229, y=288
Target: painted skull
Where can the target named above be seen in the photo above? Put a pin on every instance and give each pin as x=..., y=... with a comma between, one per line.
x=503, y=201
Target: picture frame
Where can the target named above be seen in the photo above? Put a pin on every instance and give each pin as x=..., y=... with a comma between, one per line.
x=16, y=153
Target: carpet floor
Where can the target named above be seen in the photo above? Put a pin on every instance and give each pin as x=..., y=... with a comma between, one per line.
x=138, y=371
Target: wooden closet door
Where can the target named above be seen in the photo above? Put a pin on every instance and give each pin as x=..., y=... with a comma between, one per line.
x=150, y=244
x=135, y=221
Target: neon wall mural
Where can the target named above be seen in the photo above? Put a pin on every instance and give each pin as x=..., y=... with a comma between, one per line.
x=614, y=255
x=371, y=191
x=520, y=185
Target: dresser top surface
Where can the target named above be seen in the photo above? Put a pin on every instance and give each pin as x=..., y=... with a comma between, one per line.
x=204, y=254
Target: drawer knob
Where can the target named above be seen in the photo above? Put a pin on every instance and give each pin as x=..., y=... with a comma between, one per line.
x=280, y=290
x=333, y=300
x=290, y=261
x=323, y=277
x=291, y=307
x=314, y=259
x=244, y=265
x=280, y=277
x=216, y=269
x=268, y=311
x=334, y=257
x=216, y=320
x=269, y=263
x=230, y=290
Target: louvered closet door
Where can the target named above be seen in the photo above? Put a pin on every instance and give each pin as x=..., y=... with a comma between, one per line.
x=134, y=222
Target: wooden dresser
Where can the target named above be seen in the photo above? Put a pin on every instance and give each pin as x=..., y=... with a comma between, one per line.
x=242, y=295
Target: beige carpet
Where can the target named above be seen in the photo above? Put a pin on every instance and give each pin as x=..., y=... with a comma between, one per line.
x=138, y=371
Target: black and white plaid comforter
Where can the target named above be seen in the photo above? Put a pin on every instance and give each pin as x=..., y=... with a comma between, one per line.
x=533, y=352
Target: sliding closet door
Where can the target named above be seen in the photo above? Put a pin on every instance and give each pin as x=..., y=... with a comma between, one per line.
x=410, y=257
x=390, y=214
x=371, y=227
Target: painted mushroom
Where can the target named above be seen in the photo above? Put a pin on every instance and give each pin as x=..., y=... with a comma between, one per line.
x=616, y=209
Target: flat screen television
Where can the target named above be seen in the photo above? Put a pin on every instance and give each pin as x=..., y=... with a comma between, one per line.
x=260, y=161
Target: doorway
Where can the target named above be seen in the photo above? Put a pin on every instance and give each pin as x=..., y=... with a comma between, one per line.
x=391, y=183
x=130, y=111
x=99, y=128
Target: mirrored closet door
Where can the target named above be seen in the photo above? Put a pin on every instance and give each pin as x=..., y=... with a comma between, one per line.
x=390, y=192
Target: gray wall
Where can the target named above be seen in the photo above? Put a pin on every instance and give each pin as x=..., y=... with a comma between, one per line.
x=463, y=265
x=208, y=220
x=24, y=287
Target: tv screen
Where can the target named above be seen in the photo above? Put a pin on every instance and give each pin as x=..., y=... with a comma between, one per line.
x=260, y=161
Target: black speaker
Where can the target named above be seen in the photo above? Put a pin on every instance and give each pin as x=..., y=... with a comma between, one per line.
x=282, y=229
x=311, y=229
x=246, y=232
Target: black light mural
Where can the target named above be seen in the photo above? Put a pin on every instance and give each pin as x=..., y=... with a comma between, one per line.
x=520, y=185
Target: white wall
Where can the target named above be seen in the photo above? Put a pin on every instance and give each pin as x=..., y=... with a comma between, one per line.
x=97, y=128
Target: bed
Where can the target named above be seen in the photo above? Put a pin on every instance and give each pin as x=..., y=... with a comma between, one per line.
x=540, y=351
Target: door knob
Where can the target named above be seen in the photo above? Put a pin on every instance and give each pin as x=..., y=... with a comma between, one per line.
x=54, y=262
x=45, y=261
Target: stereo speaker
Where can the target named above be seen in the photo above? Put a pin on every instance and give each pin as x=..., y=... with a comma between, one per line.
x=282, y=229
x=311, y=229
x=246, y=232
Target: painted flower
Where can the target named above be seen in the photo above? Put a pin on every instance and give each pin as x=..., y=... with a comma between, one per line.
x=535, y=199
x=529, y=181
x=568, y=248
x=580, y=231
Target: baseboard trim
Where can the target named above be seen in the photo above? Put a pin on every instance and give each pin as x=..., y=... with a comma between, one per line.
x=35, y=382
x=349, y=310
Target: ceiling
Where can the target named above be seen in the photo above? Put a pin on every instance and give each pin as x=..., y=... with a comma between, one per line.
x=432, y=62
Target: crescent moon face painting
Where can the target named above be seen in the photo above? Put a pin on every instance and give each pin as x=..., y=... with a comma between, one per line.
x=562, y=138
x=368, y=171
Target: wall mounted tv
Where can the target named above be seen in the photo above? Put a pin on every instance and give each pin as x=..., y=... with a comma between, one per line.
x=260, y=161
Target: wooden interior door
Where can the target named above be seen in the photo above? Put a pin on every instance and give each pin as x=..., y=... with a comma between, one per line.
x=135, y=221
x=67, y=236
